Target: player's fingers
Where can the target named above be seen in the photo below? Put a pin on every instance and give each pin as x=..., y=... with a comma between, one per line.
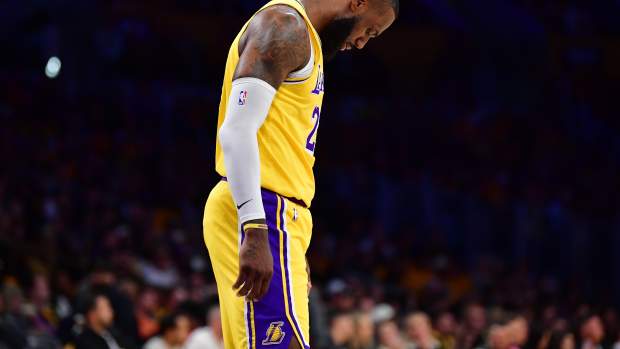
x=253, y=294
x=240, y=279
x=248, y=285
x=262, y=286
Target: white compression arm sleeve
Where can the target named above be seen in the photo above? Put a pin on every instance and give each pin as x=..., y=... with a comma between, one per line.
x=248, y=106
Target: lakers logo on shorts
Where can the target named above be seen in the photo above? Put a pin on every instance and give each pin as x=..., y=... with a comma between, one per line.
x=274, y=334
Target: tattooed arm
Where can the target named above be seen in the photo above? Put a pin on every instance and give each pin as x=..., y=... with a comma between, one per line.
x=275, y=44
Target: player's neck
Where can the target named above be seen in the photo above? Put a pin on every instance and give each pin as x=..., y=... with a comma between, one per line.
x=321, y=12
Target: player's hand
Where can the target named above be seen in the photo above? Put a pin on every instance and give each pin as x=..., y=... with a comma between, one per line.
x=255, y=264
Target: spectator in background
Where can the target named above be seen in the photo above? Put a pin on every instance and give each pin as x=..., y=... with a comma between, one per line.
x=341, y=295
x=44, y=318
x=390, y=337
x=445, y=324
x=475, y=322
x=498, y=338
x=517, y=332
x=364, y=328
x=104, y=280
x=591, y=332
x=561, y=340
x=146, y=310
x=12, y=322
x=512, y=335
x=174, y=330
x=419, y=332
x=98, y=332
x=320, y=329
x=611, y=325
x=162, y=273
x=342, y=331
x=209, y=336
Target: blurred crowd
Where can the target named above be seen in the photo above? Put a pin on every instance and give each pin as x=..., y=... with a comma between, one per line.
x=467, y=181
x=110, y=309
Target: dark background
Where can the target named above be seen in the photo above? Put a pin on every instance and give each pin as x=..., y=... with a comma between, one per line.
x=470, y=153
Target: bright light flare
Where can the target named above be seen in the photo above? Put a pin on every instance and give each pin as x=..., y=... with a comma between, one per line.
x=52, y=69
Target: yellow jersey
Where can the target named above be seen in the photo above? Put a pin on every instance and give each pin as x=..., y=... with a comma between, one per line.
x=287, y=138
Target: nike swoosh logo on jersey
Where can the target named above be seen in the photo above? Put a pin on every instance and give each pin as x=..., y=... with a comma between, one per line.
x=239, y=206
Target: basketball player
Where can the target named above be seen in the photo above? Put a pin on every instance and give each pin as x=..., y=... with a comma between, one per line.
x=257, y=225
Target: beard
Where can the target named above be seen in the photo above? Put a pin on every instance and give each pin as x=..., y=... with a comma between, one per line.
x=335, y=34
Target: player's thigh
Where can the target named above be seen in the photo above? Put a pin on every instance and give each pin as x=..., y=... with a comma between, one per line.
x=222, y=238
x=221, y=234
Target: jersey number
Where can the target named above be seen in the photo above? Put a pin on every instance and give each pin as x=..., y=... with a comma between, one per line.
x=316, y=116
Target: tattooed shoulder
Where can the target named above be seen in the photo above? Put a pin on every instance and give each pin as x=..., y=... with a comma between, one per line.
x=275, y=44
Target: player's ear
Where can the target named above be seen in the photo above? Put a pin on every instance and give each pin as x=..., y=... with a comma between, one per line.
x=359, y=6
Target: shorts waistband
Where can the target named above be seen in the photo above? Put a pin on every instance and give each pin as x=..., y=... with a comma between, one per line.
x=293, y=200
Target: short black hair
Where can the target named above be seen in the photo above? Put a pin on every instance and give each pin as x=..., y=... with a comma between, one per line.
x=168, y=322
x=88, y=300
x=556, y=338
x=584, y=318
